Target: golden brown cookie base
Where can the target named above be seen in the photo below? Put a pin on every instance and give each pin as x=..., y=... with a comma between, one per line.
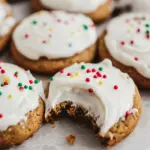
x=18, y=134
x=119, y=131
x=140, y=81
x=43, y=65
x=102, y=13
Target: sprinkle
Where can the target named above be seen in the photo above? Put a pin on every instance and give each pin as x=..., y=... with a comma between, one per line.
x=5, y=83
x=6, y=79
x=51, y=29
x=30, y=81
x=25, y=86
x=99, y=74
x=115, y=87
x=147, y=25
x=68, y=74
x=90, y=90
x=51, y=78
x=34, y=22
x=100, y=68
x=9, y=96
x=127, y=113
x=62, y=71
x=59, y=20
x=95, y=76
x=26, y=36
x=1, y=93
x=36, y=81
x=122, y=43
x=100, y=83
x=147, y=31
x=72, y=76
x=138, y=30
x=2, y=85
x=87, y=79
x=85, y=27
x=147, y=36
x=92, y=25
x=83, y=67
x=136, y=58
x=77, y=74
x=2, y=71
x=131, y=42
x=44, y=41
x=1, y=116
x=30, y=88
x=21, y=88
x=20, y=84
x=93, y=70
x=104, y=76
x=88, y=70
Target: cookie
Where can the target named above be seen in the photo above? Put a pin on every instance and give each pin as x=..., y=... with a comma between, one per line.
x=21, y=108
x=128, y=46
x=7, y=23
x=46, y=42
x=106, y=98
x=98, y=10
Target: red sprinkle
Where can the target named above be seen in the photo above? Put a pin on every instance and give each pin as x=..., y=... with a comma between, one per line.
x=0, y=67
x=1, y=116
x=16, y=75
x=136, y=58
x=26, y=36
x=127, y=113
x=5, y=83
x=30, y=81
x=58, y=20
x=93, y=70
x=138, y=30
x=87, y=79
x=122, y=43
x=69, y=74
x=95, y=76
x=61, y=71
x=2, y=71
x=92, y=25
x=116, y=87
x=104, y=76
x=148, y=36
x=44, y=41
x=88, y=70
x=21, y=88
x=99, y=74
x=131, y=42
x=91, y=90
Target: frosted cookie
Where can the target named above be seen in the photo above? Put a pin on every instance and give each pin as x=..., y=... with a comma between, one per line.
x=6, y=24
x=21, y=106
x=98, y=10
x=49, y=41
x=128, y=46
x=98, y=93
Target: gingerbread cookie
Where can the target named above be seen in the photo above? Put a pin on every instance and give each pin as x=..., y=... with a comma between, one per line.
x=98, y=10
x=128, y=46
x=6, y=24
x=98, y=93
x=21, y=107
x=49, y=41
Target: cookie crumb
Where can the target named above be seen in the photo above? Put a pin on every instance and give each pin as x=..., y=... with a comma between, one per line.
x=71, y=139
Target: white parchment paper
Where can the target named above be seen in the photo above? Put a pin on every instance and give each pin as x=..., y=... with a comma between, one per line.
x=48, y=138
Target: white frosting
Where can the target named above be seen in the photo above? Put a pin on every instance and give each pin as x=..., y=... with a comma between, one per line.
x=15, y=102
x=106, y=104
x=143, y=5
x=54, y=35
x=131, y=30
x=82, y=6
x=6, y=22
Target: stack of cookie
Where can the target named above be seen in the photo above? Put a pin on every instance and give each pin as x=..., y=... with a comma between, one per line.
x=62, y=39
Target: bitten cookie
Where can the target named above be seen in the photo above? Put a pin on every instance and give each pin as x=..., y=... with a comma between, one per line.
x=6, y=24
x=98, y=93
x=21, y=106
x=98, y=10
x=49, y=41
x=126, y=42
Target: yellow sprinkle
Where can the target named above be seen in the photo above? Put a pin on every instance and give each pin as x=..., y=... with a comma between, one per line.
x=6, y=79
x=51, y=29
x=77, y=74
x=41, y=12
x=9, y=96
x=72, y=76
x=132, y=25
x=73, y=33
x=129, y=30
x=100, y=83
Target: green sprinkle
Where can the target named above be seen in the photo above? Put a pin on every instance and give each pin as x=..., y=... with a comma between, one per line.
x=30, y=88
x=147, y=31
x=0, y=93
x=25, y=86
x=2, y=85
x=20, y=84
x=100, y=68
x=51, y=78
x=147, y=25
x=36, y=81
x=83, y=67
x=34, y=22
x=85, y=27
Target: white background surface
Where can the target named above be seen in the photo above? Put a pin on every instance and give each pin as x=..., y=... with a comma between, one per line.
x=48, y=138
